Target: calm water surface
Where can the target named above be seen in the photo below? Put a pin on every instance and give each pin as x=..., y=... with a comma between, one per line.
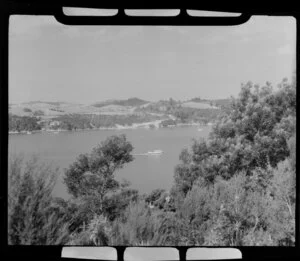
x=145, y=173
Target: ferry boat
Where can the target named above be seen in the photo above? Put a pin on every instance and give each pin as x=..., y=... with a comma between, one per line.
x=155, y=152
x=150, y=153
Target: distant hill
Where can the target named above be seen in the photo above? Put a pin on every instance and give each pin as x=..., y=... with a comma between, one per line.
x=46, y=102
x=133, y=102
x=51, y=109
x=40, y=108
x=116, y=107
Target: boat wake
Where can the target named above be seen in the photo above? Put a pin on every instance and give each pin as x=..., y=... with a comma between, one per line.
x=150, y=153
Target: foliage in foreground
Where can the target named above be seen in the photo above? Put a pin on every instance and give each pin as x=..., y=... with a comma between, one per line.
x=31, y=216
x=236, y=188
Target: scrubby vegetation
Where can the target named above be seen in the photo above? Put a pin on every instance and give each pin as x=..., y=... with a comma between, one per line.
x=237, y=188
x=33, y=215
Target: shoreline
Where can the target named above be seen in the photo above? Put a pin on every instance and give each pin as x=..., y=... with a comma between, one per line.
x=134, y=126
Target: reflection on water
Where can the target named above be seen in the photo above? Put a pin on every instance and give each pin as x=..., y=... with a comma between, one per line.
x=145, y=172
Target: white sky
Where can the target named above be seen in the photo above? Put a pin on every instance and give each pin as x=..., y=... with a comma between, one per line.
x=49, y=61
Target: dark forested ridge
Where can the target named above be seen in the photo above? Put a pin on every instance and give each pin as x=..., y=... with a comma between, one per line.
x=129, y=102
x=237, y=188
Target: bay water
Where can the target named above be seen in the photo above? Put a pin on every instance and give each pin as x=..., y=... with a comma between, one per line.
x=145, y=172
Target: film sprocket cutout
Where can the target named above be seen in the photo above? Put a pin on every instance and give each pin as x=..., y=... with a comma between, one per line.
x=171, y=130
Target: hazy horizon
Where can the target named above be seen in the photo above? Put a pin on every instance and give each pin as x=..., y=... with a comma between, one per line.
x=49, y=60
x=95, y=102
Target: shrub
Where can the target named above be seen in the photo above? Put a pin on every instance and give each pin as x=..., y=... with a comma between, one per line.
x=38, y=113
x=27, y=110
x=31, y=220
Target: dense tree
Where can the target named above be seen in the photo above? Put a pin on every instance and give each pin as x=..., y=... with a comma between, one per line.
x=23, y=123
x=92, y=175
x=97, y=196
x=246, y=170
x=253, y=134
x=167, y=123
x=27, y=110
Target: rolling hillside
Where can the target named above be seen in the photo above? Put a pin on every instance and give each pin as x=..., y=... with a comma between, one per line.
x=45, y=109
